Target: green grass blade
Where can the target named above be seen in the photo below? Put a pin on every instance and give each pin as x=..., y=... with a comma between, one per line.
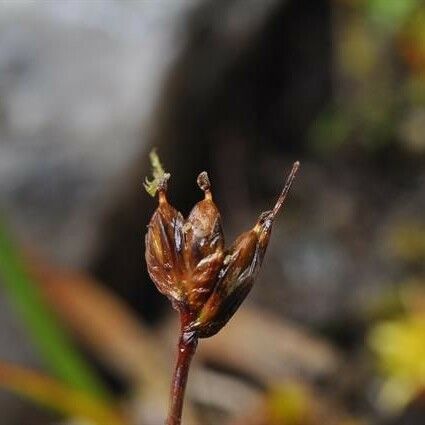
x=54, y=345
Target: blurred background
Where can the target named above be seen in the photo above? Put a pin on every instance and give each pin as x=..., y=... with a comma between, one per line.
x=333, y=332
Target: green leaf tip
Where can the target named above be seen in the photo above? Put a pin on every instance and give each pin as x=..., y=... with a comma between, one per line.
x=160, y=177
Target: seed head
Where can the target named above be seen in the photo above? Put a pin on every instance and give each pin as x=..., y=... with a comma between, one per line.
x=188, y=263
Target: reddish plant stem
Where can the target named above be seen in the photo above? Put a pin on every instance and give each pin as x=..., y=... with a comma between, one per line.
x=186, y=349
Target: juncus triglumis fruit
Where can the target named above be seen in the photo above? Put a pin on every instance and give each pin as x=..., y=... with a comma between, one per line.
x=188, y=262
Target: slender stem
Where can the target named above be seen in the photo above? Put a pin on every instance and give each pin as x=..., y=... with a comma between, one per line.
x=186, y=349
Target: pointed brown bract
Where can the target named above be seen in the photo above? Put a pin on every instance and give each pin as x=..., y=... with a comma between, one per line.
x=236, y=277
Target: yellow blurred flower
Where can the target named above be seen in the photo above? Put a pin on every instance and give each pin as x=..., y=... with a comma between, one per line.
x=400, y=349
x=288, y=404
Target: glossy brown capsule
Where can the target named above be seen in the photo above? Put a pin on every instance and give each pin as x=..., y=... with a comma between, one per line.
x=187, y=261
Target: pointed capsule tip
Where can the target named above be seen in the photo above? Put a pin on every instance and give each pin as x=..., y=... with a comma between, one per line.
x=162, y=188
x=163, y=182
x=204, y=183
x=289, y=180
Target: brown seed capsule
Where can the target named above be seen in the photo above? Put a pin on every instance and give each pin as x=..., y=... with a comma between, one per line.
x=204, y=245
x=187, y=261
x=240, y=268
x=185, y=256
x=164, y=256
